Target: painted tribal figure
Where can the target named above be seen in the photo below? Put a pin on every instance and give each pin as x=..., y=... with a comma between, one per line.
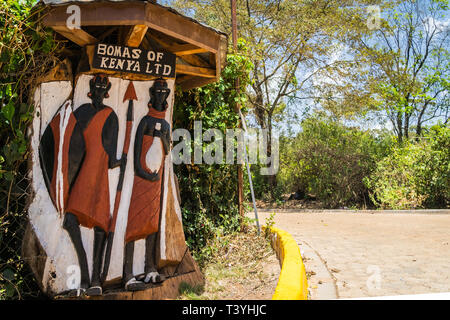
x=88, y=203
x=92, y=133
x=152, y=144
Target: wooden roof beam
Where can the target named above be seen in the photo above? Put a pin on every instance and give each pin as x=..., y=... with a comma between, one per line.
x=170, y=45
x=79, y=36
x=196, y=71
x=186, y=49
x=135, y=35
x=194, y=82
x=176, y=48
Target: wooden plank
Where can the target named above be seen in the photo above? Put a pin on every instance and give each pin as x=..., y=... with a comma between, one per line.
x=196, y=71
x=160, y=19
x=147, y=45
x=221, y=56
x=169, y=45
x=195, y=82
x=197, y=61
x=99, y=13
x=182, y=28
x=136, y=34
x=173, y=231
x=79, y=36
x=138, y=13
x=186, y=49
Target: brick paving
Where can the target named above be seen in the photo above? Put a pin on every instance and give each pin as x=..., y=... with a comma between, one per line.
x=369, y=254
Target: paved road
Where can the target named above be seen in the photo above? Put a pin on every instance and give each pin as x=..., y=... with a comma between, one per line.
x=363, y=254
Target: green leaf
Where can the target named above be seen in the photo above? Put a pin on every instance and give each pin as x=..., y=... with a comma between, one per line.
x=8, y=111
x=8, y=274
x=9, y=290
x=8, y=176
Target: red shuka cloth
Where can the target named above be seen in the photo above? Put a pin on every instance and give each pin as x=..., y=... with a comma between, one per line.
x=89, y=197
x=145, y=203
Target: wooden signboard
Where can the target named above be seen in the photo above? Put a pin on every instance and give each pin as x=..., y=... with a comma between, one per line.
x=134, y=60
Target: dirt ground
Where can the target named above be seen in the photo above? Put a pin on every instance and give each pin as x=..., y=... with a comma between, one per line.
x=245, y=267
x=289, y=204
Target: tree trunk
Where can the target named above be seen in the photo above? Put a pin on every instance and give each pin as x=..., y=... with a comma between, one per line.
x=270, y=179
x=406, y=126
x=399, y=127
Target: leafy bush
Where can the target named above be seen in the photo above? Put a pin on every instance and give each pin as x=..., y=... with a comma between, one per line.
x=26, y=52
x=208, y=192
x=329, y=161
x=416, y=174
x=263, y=188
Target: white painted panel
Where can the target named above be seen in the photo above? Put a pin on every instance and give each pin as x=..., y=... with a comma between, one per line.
x=139, y=257
x=44, y=218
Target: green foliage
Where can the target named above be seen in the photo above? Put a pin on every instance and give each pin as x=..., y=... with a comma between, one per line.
x=270, y=222
x=263, y=188
x=208, y=192
x=26, y=52
x=415, y=174
x=328, y=160
x=400, y=70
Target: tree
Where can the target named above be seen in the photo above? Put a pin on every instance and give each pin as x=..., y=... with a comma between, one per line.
x=401, y=68
x=288, y=42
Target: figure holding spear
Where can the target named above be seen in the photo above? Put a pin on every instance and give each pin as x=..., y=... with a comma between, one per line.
x=152, y=144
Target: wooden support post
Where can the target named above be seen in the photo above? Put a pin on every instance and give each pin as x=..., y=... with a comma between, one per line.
x=240, y=173
x=191, y=82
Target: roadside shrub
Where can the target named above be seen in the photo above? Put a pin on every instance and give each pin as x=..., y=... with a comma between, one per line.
x=264, y=190
x=415, y=175
x=329, y=161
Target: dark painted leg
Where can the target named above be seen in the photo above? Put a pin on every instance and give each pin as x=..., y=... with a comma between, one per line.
x=151, y=273
x=128, y=263
x=73, y=228
x=99, y=246
x=130, y=282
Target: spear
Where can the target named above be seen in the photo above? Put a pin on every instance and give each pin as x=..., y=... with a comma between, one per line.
x=130, y=95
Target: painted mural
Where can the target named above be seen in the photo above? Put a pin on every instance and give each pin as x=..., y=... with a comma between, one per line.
x=106, y=207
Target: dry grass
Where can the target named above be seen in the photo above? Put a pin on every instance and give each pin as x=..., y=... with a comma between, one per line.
x=243, y=266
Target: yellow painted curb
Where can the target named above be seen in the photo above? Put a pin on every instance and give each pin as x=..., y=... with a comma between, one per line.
x=292, y=283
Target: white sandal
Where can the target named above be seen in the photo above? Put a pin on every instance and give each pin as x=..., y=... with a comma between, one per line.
x=154, y=277
x=134, y=285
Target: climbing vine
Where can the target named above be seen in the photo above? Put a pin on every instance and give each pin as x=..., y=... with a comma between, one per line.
x=209, y=192
x=26, y=52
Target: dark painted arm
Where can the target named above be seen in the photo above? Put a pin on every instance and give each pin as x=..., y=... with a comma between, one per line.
x=110, y=134
x=165, y=138
x=77, y=150
x=139, y=171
